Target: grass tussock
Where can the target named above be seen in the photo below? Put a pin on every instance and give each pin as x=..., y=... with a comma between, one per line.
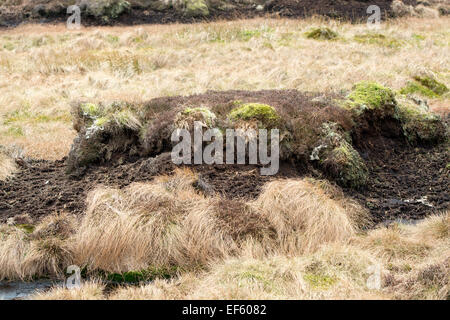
x=305, y=217
x=28, y=251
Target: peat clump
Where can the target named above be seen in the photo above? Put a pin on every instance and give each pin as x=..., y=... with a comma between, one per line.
x=317, y=131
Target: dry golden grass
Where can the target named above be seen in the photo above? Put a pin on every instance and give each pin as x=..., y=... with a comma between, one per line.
x=44, y=68
x=338, y=270
x=157, y=224
x=304, y=216
x=167, y=223
x=13, y=246
x=335, y=271
x=313, y=248
x=310, y=248
x=26, y=253
x=91, y=290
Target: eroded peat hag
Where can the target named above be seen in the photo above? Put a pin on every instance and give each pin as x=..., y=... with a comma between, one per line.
x=323, y=137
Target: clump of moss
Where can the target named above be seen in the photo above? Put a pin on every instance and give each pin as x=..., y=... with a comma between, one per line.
x=419, y=125
x=432, y=84
x=266, y=116
x=317, y=281
x=322, y=34
x=338, y=159
x=417, y=88
x=26, y=227
x=90, y=110
x=377, y=39
x=425, y=85
x=346, y=165
x=371, y=96
x=185, y=118
x=116, y=116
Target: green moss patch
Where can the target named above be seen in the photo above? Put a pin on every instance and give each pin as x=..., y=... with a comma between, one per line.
x=417, y=88
x=266, y=115
x=425, y=86
x=107, y=9
x=368, y=95
x=318, y=281
x=322, y=34
x=432, y=84
x=27, y=228
x=378, y=39
x=347, y=166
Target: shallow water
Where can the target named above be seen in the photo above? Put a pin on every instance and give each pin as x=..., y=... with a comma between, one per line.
x=12, y=290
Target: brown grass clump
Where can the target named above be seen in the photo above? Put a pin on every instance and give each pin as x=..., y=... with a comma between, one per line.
x=359, y=215
x=46, y=257
x=392, y=244
x=168, y=223
x=27, y=252
x=300, y=239
x=61, y=225
x=240, y=220
x=409, y=243
x=157, y=224
x=13, y=246
x=304, y=217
